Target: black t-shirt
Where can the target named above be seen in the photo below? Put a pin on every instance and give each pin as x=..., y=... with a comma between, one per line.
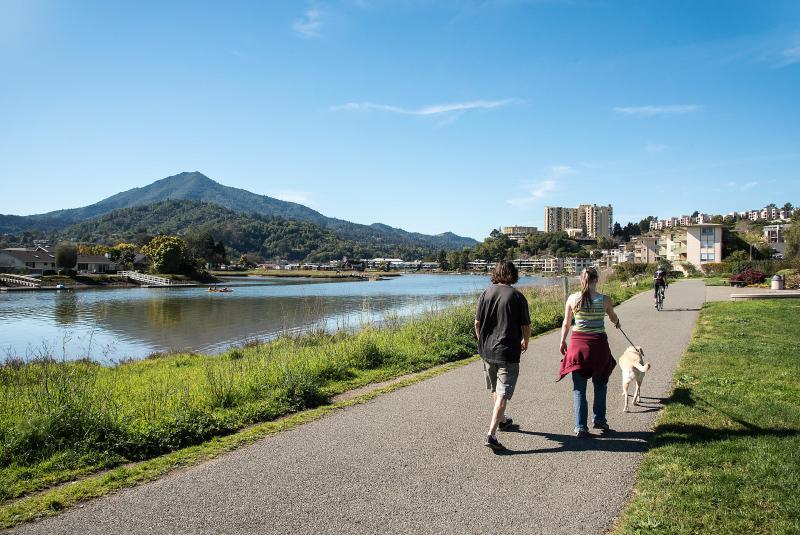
x=502, y=311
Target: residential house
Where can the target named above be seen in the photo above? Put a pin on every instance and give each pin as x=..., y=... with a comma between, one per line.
x=774, y=235
x=34, y=261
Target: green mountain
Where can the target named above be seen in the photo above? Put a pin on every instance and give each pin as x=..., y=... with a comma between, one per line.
x=195, y=186
x=269, y=237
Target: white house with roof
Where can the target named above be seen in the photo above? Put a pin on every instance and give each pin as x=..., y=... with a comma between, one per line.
x=40, y=259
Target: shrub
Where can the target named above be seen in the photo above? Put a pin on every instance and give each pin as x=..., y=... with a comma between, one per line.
x=715, y=269
x=793, y=281
x=628, y=270
x=750, y=276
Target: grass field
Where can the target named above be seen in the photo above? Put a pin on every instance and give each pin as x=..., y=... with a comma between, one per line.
x=726, y=453
x=716, y=281
x=61, y=421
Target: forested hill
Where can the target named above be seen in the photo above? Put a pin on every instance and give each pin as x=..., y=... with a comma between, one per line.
x=269, y=237
x=196, y=186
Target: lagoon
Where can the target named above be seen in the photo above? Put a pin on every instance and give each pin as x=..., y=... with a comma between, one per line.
x=111, y=325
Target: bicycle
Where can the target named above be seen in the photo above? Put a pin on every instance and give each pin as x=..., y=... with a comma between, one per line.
x=660, y=298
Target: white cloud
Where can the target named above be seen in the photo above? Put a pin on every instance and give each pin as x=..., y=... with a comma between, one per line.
x=742, y=187
x=655, y=148
x=434, y=109
x=648, y=111
x=541, y=189
x=299, y=197
x=310, y=24
x=791, y=55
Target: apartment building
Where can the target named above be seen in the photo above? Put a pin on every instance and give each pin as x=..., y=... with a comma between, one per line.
x=576, y=265
x=543, y=264
x=558, y=218
x=697, y=244
x=518, y=232
x=593, y=220
x=774, y=235
x=596, y=221
x=646, y=249
x=703, y=244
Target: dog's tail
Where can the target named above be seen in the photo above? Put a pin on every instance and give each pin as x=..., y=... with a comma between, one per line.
x=642, y=368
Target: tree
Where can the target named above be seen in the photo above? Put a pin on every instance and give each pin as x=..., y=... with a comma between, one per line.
x=442, y=259
x=167, y=254
x=788, y=207
x=465, y=258
x=605, y=243
x=494, y=248
x=755, y=241
x=93, y=249
x=66, y=255
x=695, y=214
x=644, y=224
x=792, y=237
x=718, y=219
x=617, y=229
x=124, y=254
x=737, y=255
x=200, y=245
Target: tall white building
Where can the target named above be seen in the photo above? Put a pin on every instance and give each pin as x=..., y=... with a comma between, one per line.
x=558, y=219
x=593, y=220
x=596, y=221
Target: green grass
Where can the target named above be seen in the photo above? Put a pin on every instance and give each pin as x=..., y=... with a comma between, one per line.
x=716, y=281
x=725, y=457
x=65, y=421
x=54, y=500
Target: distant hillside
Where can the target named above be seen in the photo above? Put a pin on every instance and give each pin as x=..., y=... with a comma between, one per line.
x=197, y=187
x=269, y=237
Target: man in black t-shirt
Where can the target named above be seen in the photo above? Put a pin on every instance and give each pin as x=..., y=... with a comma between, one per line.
x=503, y=326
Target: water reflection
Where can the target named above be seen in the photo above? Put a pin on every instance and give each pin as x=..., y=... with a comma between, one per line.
x=66, y=308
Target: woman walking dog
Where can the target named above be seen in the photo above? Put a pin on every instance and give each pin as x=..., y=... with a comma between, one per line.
x=588, y=354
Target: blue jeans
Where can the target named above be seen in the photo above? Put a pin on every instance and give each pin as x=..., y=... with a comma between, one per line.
x=582, y=407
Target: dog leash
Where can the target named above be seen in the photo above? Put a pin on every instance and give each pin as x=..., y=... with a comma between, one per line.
x=626, y=337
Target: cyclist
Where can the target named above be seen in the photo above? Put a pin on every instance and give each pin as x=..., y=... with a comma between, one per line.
x=659, y=282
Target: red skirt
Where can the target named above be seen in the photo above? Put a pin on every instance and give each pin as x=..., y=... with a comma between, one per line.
x=589, y=355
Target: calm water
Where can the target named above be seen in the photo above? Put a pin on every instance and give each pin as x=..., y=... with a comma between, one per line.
x=110, y=324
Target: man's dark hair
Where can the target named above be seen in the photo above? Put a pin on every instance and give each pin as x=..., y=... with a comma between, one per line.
x=505, y=273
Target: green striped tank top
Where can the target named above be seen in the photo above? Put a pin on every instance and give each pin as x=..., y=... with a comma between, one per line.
x=589, y=319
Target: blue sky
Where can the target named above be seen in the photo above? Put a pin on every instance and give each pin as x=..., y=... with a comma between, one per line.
x=431, y=116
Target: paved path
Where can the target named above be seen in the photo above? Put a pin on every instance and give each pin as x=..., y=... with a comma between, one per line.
x=413, y=460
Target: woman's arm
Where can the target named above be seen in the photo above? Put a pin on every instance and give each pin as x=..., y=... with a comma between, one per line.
x=565, y=326
x=609, y=306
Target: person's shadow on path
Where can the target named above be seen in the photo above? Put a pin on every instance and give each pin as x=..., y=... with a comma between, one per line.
x=613, y=441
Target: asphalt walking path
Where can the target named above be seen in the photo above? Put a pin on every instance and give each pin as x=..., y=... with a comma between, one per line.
x=413, y=461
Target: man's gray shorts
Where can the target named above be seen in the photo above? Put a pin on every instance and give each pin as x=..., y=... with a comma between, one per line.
x=501, y=378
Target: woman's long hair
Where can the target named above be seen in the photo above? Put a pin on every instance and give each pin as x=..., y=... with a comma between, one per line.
x=588, y=276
